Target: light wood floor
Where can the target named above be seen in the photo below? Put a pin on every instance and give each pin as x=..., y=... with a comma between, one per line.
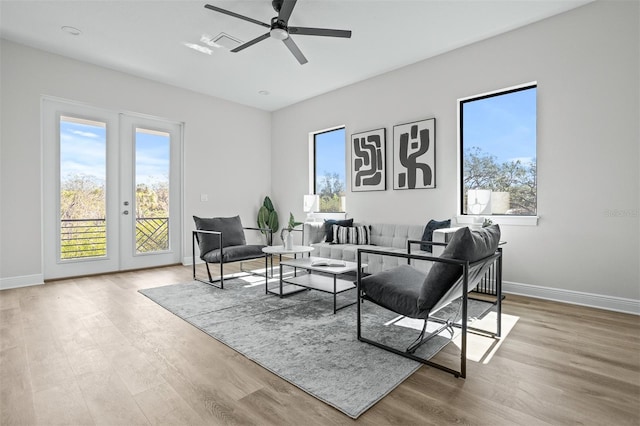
x=94, y=351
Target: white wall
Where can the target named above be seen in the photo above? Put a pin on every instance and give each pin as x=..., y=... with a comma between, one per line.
x=226, y=146
x=586, y=64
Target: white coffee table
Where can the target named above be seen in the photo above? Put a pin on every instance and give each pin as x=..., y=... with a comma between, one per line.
x=327, y=282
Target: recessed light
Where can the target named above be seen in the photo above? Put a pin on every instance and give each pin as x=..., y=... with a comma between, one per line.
x=263, y=92
x=71, y=30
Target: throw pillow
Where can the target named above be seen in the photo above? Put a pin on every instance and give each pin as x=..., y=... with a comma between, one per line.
x=464, y=245
x=350, y=234
x=231, y=228
x=428, y=232
x=328, y=227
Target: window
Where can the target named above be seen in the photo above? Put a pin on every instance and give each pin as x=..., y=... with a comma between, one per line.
x=497, y=134
x=329, y=169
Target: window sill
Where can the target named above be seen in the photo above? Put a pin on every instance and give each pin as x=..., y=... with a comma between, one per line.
x=466, y=220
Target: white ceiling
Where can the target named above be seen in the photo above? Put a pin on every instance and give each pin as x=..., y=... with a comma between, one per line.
x=145, y=38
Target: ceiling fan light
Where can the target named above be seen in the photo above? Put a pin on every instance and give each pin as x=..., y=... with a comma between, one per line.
x=279, y=33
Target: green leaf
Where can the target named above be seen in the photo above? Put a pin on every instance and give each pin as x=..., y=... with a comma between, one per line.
x=292, y=222
x=273, y=221
x=263, y=217
x=268, y=204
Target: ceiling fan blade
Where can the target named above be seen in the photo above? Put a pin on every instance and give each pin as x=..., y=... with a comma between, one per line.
x=236, y=15
x=293, y=47
x=325, y=32
x=285, y=10
x=250, y=43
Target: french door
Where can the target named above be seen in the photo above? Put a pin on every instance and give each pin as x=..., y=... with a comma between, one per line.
x=111, y=190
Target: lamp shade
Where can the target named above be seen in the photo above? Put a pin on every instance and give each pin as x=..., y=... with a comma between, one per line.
x=311, y=203
x=479, y=201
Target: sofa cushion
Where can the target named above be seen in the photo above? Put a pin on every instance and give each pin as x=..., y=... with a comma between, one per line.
x=328, y=227
x=427, y=235
x=394, y=235
x=464, y=245
x=230, y=227
x=350, y=234
x=386, y=237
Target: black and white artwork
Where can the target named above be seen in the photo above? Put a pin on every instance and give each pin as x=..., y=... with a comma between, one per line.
x=368, y=153
x=414, y=155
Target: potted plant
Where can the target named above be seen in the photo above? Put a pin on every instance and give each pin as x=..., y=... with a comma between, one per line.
x=268, y=217
x=286, y=235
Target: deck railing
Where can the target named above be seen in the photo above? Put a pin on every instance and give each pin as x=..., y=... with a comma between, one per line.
x=152, y=234
x=81, y=238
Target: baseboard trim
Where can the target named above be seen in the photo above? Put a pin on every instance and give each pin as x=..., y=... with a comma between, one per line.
x=22, y=281
x=610, y=303
x=188, y=261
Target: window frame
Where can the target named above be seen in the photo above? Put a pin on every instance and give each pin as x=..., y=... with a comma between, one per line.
x=467, y=218
x=313, y=167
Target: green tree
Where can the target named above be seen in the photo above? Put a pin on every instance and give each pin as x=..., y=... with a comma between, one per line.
x=330, y=189
x=482, y=171
x=82, y=197
x=152, y=201
x=82, y=212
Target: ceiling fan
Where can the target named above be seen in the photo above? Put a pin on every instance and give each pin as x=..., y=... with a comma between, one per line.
x=279, y=28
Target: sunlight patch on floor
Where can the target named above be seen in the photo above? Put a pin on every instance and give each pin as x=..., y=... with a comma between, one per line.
x=482, y=348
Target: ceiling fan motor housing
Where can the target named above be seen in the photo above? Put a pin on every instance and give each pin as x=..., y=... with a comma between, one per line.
x=279, y=30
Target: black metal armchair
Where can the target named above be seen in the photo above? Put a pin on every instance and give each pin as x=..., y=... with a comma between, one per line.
x=221, y=240
x=409, y=292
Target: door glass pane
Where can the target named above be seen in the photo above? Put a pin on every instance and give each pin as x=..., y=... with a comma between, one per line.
x=83, y=159
x=152, y=190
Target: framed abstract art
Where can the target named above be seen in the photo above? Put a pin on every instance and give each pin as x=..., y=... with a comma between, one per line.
x=414, y=155
x=368, y=153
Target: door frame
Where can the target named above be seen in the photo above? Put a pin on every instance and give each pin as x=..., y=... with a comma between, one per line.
x=51, y=109
x=129, y=259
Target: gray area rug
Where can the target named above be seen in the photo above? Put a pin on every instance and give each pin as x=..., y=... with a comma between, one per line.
x=301, y=340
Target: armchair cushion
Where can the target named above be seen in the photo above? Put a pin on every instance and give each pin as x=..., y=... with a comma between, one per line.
x=230, y=227
x=234, y=254
x=397, y=289
x=464, y=245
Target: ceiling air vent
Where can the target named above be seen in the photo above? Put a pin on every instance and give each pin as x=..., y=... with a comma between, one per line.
x=226, y=41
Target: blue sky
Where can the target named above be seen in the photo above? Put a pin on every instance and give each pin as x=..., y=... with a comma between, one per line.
x=152, y=158
x=83, y=152
x=330, y=153
x=503, y=126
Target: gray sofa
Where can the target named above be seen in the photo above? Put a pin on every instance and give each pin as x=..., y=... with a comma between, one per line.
x=384, y=236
